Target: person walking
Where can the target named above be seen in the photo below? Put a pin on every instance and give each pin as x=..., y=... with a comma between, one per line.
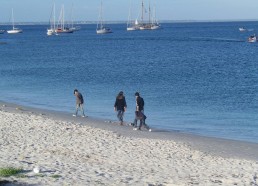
x=120, y=106
x=139, y=113
x=79, y=103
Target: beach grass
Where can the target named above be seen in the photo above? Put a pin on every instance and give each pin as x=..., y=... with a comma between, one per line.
x=55, y=176
x=9, y=171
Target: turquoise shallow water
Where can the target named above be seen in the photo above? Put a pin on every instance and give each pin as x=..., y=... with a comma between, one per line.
x=197, y=78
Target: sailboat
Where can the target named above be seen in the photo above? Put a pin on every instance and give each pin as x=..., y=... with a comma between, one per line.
x=131, y=25
x=61, y=24
x=14, y=30
x=72, y=27
x=155, y=25
x=144, y=25
x=52, y=29
x=101, y=28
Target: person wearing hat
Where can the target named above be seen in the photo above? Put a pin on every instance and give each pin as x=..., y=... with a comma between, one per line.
x=120, y=106
x=79, y=102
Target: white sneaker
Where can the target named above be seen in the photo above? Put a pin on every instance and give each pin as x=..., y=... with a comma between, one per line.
x=74, y=115
x=134, y=128
x=149, y=130
x=83, y=116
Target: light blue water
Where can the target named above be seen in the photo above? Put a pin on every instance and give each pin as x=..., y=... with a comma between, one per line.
x=199, y=78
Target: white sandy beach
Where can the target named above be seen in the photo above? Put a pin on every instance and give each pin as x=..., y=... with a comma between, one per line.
x=85, y=155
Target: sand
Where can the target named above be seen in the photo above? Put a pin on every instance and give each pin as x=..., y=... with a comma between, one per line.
x=76, y=151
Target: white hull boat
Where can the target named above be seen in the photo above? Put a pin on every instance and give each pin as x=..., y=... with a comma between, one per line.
x=104, y=30
x=14, y=30
x=155, y=27
x=51, y=32
x=242, y=29
x=52, y=21
x=77, y=28
x=101, y=28
x=132, y=28
x=252, y=39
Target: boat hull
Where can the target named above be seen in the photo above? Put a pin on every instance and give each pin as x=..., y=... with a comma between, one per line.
x=252, y=39
x=104, y=31
x=51, y=32
x=14, y=31
x=242, y=29
x=66, y=31
x=155, y=27
x=132, y=29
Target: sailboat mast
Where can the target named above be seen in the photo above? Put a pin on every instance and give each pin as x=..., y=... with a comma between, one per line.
x=63, y=17
x=54, y=21
x=142, y=10
x=149, y=13
x=12, y=19
x=129, y=16
x=101, y=21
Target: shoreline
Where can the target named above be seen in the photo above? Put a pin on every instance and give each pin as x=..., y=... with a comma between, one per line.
x=85, y=151
x=226, y=148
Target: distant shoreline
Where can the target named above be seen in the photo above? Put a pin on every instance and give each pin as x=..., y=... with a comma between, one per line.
x=124, y=22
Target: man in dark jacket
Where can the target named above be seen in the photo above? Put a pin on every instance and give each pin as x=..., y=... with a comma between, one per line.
x=79, y=102
x=120, y=106
x=139, y=113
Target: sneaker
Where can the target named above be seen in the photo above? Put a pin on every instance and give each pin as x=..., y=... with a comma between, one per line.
x=74, y=115
x=149, y=130
x=134, y=128
x=83, y=116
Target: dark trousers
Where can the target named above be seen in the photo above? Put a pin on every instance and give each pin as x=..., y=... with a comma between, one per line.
x=142, y=122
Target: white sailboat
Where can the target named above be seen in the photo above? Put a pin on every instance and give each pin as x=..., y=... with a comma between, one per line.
x=131, y=25
x=14, y=30
x=52, y=29
x=155, y=24
x=61, y=28
x=101, y=28
x=72, y=27
x=145, y=25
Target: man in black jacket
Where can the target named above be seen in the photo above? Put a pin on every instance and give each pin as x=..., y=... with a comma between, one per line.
x=139, y=113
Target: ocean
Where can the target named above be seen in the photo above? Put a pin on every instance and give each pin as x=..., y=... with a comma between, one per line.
x=197, y=78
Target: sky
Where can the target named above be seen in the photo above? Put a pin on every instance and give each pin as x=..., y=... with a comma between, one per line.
x=117, y=10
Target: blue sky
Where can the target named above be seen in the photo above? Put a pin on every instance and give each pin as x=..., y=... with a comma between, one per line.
x=87, y=10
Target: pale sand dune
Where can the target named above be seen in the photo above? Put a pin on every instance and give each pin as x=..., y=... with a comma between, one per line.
x=84, y=155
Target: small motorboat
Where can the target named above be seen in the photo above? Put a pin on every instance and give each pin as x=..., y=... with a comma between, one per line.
x=242, y=29
x=252, y=39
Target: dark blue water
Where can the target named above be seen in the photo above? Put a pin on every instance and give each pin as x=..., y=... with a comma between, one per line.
x=199, y=78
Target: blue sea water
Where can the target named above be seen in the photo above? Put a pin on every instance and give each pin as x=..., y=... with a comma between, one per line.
x=199, y=78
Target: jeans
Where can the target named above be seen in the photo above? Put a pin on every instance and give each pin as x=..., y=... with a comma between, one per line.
x=77, y=108
x=120, y=115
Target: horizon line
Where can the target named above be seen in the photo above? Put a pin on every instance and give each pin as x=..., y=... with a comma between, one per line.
x=125, y=21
